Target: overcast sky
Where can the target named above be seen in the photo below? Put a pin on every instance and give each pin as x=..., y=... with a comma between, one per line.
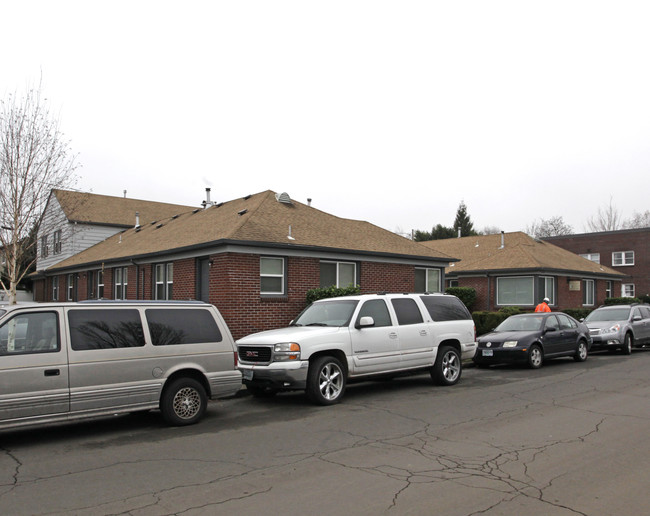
x=387, y=111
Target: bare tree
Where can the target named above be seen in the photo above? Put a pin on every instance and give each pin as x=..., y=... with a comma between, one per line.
x=34, y=158
x=607, y=219
x=555, y=226
x=638, y=220
x=490, y=230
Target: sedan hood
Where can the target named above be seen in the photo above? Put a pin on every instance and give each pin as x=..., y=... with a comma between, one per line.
x=290, y=334
x=502, y=336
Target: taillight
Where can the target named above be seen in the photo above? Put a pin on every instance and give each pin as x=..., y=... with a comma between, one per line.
x=236, y=358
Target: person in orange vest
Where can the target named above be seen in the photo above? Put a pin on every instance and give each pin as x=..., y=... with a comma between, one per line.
x=543, y=306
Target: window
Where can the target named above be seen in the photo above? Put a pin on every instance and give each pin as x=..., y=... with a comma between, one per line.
x=627, y=290
x=44, y=249
x=427, y=280
x=105, y=329
x=100, y=285
x=70, y=288
x=56, y=242
x=338, y=274
x=565, y=322
x=552, y=323
x=515, y=291
x=164, y=280
x=594, y=257
x=377, y=309
x=546, y=288
x=121, y=281
x=588, y=292
x=407, y=311
x=55, y=288
x=622, y=258
x=445, y=308
x=609, y=289
x=168, y=327
x=271, y=275
x=36, y=332
x=453, y=283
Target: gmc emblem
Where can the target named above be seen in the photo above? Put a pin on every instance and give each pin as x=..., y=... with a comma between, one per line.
x=252, y=354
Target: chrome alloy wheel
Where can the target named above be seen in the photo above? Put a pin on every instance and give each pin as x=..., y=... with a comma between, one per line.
x=187, y=403
x=450, y=366
x=330, y=381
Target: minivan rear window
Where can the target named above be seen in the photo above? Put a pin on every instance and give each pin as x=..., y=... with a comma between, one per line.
x=105, y=329
x=190, y=326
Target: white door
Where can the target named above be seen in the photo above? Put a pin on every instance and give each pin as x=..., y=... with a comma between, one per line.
x=374, y=348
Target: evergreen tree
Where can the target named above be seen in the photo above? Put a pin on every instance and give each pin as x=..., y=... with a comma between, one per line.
x=463, y=222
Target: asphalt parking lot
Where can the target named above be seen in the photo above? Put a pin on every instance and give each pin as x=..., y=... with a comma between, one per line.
x=566, y=439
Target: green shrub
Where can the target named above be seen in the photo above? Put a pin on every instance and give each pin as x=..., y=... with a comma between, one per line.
x=487, y=321
x=577, y=313
x=510, y=310
x=466, y=294
x=621, y=300
x=645, y=298
x=324, y=292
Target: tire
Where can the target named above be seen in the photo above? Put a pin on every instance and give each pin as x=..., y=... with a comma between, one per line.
x=448, y=367
x=628, y=342
x=261, y=392
x=535, y=356
x=326, y=381
x=581, y=352
x=183, y=402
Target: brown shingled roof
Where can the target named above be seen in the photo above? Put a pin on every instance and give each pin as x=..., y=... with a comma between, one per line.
x=520, y=252
x=91, y=208
x=255, y=219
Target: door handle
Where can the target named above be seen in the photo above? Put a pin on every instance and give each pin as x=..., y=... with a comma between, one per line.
x=52, y=372
x=392, y=335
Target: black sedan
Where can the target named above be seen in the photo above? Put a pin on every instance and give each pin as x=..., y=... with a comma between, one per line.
x=532, y=338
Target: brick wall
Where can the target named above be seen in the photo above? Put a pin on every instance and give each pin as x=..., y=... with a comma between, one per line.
x=235, y=287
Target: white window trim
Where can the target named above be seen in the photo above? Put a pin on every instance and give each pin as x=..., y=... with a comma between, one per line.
x=55, y=288
x=623, y=287
x=123, y=283
x=338, y=269
x=593, y=257
x=532, y=300
x=546, y=294
x=166, y=282
x=281, y=276
x=585, y=301
x=623, y=263
x=426, y=279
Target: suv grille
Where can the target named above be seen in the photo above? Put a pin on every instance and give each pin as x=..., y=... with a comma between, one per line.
x=254, y=354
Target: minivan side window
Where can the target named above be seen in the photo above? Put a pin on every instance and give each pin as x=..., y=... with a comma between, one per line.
x=407, y=311
x=105, y=329
x=190, y=326
x=34, y=332
x=445, y=308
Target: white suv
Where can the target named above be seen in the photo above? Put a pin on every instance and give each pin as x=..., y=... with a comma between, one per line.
x=342, y=338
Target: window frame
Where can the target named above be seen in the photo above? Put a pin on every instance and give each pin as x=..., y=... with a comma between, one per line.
x=592, y=257
x=542, y=295
x=282, y=276
x=56, y=242
x=338, y=264
x=625, y=290
x=588, y=292
x=623, y=258
x=426, y=279
x=122, y=283
x=55, y=288
x=165, y=282
x=44, y=247
x=99, y=285
x=531, y=302
x=70, y=287
x=609, y=289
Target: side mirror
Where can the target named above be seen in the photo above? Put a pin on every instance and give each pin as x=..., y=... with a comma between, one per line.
x=366, y=322
x=636, y=318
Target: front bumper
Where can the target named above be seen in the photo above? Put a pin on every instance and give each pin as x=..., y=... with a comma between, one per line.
x=606, y=341
x=500, y=355
x=277, y=375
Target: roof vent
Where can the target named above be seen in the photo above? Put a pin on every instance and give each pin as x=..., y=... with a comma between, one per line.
x=283, y=198
x=242, y=212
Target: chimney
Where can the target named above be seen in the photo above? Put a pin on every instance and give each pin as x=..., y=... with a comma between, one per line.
x=458, y=232
x=503, y=240
x=309, y=201
x=137, y=219
x=207, y=203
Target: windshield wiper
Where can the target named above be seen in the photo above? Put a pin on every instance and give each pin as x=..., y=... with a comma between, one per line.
x=317, y=324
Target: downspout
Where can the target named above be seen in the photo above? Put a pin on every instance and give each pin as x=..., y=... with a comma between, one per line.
x=489, y=291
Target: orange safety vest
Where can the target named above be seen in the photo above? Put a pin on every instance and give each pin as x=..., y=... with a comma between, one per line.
x=542, y=307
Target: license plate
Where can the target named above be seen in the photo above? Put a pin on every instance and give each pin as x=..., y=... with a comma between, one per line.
x=247, y=374
x=488, y=353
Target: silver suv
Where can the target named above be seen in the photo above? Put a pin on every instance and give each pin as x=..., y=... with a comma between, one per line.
x=619, y=327
x=343, y=338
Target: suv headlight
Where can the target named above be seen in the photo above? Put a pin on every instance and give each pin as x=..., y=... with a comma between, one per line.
x=613, y=329
x=286, y=351
x=510, y=344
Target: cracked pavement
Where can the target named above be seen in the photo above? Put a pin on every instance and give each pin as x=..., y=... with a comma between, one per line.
x=568, y=439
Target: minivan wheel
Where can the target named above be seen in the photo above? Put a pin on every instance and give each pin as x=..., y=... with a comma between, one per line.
x=535, y=357
x=326, y=381
x=183, y=402
x=627, y=344
x=581, y=352
x=447, y=368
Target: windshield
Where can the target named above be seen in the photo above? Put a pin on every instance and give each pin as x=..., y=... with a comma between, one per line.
x=327, y=313
x=521, y=323
x=613, y=314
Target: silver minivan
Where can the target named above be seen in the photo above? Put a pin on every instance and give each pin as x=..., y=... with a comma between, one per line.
x=64, y=361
